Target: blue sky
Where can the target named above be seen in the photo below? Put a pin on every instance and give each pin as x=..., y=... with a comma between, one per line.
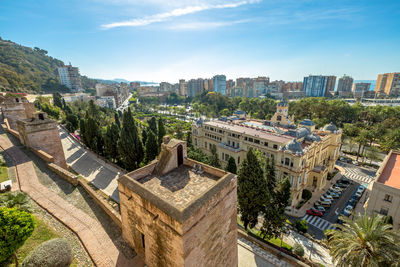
x=158, y=40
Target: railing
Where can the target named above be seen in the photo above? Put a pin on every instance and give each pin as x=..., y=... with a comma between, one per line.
x=233, y=149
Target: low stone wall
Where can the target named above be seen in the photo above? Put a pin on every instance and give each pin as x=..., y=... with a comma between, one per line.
x=293, y=261
x=6, y=127
x=70, y=177
x=43, y=155
x=207, y=168
x=114, y=215
x=13, y=132
x=142, y=172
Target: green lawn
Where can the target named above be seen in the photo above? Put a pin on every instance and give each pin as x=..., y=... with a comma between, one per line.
x=3, y=174
x=275, y=241
x=41, y=234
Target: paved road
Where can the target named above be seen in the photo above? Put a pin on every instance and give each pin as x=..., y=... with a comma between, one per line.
x=93, y=169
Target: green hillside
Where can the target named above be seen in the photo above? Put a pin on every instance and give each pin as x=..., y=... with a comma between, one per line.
x=25, y=69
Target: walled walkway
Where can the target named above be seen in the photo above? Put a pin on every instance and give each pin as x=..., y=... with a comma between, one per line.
x=94, y=238
x=89, y=166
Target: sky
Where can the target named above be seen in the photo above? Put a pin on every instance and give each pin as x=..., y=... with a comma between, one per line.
x=159, y=40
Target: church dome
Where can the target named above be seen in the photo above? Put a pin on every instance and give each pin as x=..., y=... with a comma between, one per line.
x=330, y=127
x=307, y=122
x=294, y=147
x=301, y=132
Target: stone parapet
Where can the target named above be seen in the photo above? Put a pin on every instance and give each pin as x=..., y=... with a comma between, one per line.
x=70, y=177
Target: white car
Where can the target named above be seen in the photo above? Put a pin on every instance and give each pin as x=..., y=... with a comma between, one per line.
x=355, y=162
x=326, y=199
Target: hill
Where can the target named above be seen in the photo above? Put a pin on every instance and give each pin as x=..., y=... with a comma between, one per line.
x=31, y=70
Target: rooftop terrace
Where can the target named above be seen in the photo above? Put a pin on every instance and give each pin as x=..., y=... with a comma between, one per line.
x=390, y=175
x=180, y=186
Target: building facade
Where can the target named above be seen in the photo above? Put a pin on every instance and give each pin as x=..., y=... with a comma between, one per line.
x=345, y=84
x=303, y=154
x=179, y=212
x=219, y=84
x=69, y=76
x=388, y=84
x=359, y=89
x=316, y=86
x=384, y=197
x=195, y=87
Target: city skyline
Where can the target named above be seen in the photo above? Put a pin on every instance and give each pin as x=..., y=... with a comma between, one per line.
x=158, y=41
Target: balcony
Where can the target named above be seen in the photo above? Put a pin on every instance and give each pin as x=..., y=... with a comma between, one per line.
x=230, y=148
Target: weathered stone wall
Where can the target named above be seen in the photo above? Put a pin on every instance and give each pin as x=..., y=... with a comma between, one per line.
x=43, y=135
x=70, y=177
x=162, y=234
x=43, y=155
x=13, y=113
x=210, y=234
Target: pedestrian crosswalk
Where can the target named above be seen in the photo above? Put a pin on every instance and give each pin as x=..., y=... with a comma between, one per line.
x=359, y=178
x=318, y=222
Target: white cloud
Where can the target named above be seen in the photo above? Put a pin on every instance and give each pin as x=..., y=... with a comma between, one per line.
x=205, y=25
x=175, y=13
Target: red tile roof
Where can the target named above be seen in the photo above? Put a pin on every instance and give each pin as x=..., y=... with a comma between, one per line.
x=390, y=175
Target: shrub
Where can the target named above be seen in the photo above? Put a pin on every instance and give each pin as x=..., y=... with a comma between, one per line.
x=16, y=226
x=53, y=253
x=301, y=225
x=306, y=195
x=298, y=250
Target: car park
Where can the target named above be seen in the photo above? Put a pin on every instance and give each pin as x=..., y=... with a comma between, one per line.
x=341, y=185
x=347, y=211
x=314, y=212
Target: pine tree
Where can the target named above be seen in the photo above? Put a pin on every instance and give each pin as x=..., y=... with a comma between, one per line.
x=151, y=147
x=231, y=166
x=214, y=160
x=161, y=131
x=130, y=145
x=251, y=189
x=57, y=100
x=111, y=142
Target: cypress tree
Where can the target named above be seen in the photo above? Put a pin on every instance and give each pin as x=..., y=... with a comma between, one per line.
x=189, y=139
x=251, y=189
x=231, y=166
x=91, y=132
x=144, y=135
x=117, y=122
x=111, y=142
x=153, y=125
x=151, y=147
x=214, y=160
x=130, y=145
x=161, y=131
x=270, y=177
x=57, y=100
x=82, y=130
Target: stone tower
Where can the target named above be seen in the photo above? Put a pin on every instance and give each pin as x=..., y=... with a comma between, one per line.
x=179, y=212
x=281, y=116
x=41, y=133
x=16, y=108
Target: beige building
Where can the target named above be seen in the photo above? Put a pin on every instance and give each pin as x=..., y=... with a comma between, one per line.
x=388, y=84
x=302, y=153
x=385, y=190
x=179, y=212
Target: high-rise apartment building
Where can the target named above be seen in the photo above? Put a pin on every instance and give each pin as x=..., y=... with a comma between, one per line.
x=292, y=87
x=182, y=87
x=360, y=87
x=69, y=76
x=345, y=84
x=229, y=87
x=317, y=86
x=388, y=84
x=195, y=87
x=330, y=83
x=219, y=84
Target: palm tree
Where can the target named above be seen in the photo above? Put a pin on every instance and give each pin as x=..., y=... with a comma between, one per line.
x=364, y=241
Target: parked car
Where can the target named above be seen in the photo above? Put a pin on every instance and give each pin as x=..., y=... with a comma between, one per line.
x=334, y=194
x=325, y=204
x=314, y=212
x=355, y=162
x=361, y=188
x=358, y=194
x=347, y=211
x=352, y=202
x=320, y=208
x=344, y=180
x=334, y=189
x=328, y=196
x=322, y=198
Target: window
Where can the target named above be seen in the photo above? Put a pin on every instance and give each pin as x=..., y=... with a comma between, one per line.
x=384, y=211
x=388, y=198
x=291, y=164
x=265, y=143
x=238, y=160
x=275, y=146
x=287, y=161
x=205, y=145
x=245, y=138
x=256, y=141
x=226, y=157
x=250, y=139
